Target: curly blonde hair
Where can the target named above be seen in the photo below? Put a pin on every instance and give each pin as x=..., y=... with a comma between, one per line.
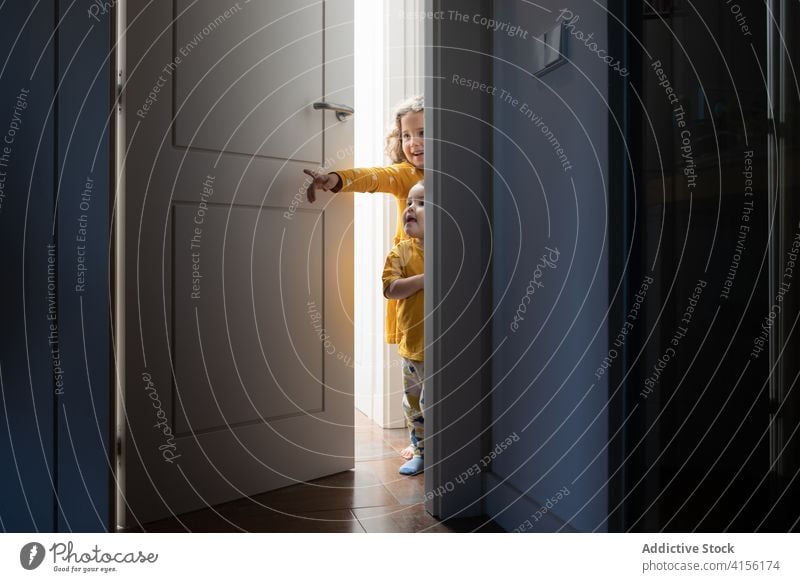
x=394, y=141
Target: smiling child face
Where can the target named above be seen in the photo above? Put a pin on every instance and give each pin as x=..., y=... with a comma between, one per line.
x=414, y=214
x=412, y=134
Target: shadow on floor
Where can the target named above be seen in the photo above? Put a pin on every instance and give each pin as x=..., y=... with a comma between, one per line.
x=371, y=498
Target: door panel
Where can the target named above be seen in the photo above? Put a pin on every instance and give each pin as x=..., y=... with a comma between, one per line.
x=269, y=67
x=242, y=344
x=238, y=293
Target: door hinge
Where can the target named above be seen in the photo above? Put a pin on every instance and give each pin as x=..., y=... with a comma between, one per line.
x=119, y=91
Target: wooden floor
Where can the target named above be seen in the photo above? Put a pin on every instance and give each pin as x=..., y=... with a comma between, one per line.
x=373, y=497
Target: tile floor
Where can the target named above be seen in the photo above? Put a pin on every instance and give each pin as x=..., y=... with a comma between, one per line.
x=373, y=497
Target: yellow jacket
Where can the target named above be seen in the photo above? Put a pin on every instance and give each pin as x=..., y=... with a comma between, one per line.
x=397, y=180
x=407, y=258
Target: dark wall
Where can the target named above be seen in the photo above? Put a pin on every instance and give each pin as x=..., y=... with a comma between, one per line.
x=552, y=201
x=698, y=439
x=55, y=421
x=27, y=427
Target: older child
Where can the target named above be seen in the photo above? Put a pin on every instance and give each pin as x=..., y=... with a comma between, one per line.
x=403, y=280
x=405, y=146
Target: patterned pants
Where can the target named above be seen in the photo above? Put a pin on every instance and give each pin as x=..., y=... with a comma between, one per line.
x=414, y=403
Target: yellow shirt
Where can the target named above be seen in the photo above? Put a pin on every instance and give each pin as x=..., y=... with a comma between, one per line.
x=404, y=260
x=397, y=180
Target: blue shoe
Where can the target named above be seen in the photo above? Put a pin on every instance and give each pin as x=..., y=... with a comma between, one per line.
x=413, y=467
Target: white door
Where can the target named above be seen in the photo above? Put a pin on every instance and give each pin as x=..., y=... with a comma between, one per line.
x=238, y=293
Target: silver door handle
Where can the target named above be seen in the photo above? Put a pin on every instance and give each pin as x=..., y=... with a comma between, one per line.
x=342, y=111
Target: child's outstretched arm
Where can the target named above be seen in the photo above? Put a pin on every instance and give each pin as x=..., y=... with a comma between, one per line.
x=402, y=288
x=320, y=182
x=395, y=179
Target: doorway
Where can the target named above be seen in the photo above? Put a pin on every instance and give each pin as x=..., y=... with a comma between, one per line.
x=391, y=46
x=226, y=389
